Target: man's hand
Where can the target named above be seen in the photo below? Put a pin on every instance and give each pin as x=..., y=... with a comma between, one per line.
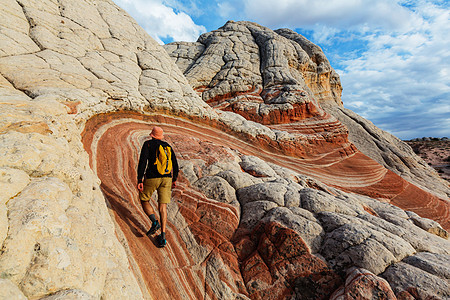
x=140, y=186
x=174, y=184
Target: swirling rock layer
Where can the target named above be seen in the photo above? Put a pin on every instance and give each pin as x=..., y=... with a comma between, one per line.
x=212, y=250
x=354, y=172
x=389, y=151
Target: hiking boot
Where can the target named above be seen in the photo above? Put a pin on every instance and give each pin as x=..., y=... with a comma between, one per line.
x=155, y=226
x=160, y=241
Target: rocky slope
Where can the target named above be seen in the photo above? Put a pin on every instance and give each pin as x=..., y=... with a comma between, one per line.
x=274, y=201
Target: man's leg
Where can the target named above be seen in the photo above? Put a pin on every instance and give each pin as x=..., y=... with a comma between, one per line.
x=149, y=187
x=163, y=216
x=148, y=209
x=164, y=195
x=150, y=212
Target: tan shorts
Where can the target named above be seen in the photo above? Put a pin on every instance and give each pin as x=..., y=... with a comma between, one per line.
x=162, y=185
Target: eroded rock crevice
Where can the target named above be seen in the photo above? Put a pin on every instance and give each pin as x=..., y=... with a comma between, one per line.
x=31, y=25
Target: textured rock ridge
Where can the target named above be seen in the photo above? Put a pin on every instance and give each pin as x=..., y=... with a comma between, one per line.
x=269, y=209
x=266, y=76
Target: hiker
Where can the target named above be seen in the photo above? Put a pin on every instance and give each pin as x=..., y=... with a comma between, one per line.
x=159, y=163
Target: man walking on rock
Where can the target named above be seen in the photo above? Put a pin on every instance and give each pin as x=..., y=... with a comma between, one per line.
x=159, y=164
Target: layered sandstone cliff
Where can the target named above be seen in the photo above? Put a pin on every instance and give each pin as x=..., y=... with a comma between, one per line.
x=273, y=199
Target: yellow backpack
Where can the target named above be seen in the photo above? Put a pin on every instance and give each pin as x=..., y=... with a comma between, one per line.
x=164, y=160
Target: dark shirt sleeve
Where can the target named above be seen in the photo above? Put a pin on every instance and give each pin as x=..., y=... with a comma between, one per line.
x=142, y=162
x=175, y=167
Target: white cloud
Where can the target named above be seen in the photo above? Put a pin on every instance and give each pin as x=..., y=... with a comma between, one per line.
x=400, y=76
x=322, y=34
x=226, y=9
x=161, y=21
x=333, y=13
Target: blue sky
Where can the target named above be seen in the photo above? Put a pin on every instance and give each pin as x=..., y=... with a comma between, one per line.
x=393, y=56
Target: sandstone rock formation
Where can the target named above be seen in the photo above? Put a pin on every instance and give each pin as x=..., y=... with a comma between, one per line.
x=262, y=209
x=362, y=284
x=287, y=236
x=277, y=77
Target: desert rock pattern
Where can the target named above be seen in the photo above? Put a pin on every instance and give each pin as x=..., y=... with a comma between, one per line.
x=279, y=77
x=274, y=200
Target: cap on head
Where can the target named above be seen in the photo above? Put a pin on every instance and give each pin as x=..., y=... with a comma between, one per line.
x=157, y=133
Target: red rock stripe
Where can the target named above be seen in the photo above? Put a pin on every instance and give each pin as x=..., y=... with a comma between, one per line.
x=113, y=142
x=116, y=167
x=355, y=172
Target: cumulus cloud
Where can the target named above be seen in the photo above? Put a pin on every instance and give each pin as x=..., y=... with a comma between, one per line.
x=402, y=79
x=333, y=13
x=393, y=56
x=162, y=21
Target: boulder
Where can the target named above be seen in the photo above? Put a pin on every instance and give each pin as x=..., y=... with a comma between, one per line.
x=281, y=266
x=318, y=201
x=308, y=228
x=362, y=284
x=415, y=236
x=405, y=278
x=216, y=188
x=188, y=170
x=256, y=167
x=238, y=179
x=267, y=191
x=253, y=212
x=357, y=245
x=428, y=225
x=432, y=263
x=292, y=196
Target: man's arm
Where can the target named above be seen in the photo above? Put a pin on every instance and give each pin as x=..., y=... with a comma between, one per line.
x=142, y=163
x=175, y=167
